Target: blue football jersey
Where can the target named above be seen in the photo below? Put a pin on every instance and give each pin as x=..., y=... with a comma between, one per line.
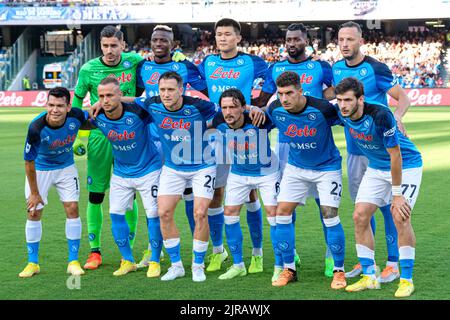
x=376, y=131
x=315, y=76
x=377, y=80
x=148, y=73
x=238, y=72
x=249, y=146
x=311, y=142
x=183, y=133
x=134, y=151
x=51, y=147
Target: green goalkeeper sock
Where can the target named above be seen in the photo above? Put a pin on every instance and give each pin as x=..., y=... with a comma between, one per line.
x=132, y=218
x=94, y=222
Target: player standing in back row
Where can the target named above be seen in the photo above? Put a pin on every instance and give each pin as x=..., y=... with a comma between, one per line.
x=378, y=81
x=231, y=69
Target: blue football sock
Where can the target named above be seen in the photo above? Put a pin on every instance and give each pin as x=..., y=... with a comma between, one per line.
x=234, y=235
x=255, y=223
x=407, y=257
x=121, y=231
x=74, y=246
x=336, y=240
x=366, y=257
x=155, y=238
x=173, y=249
x=33, y=235
x=73, y=235
x=328, y=253
x=285, y=238
x=199, y=248
x=33, y=251
x=373, y=225
x=391, y=234
x=189, y=207
x=277, y=252
x=294, y=219
x=216, y=222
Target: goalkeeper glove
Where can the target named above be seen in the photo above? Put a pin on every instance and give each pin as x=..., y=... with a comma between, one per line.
x=178, y=56
x=79, y=147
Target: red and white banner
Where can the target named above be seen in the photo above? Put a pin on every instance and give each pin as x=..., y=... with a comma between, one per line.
x=418, y=97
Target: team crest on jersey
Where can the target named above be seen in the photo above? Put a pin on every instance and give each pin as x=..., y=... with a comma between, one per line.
x=100, y=124
x=129, y=121
x=366, y=124
x=72, y=126
x=310, y=65
x=175, y=67
x=312, y=116
x=363, y=72
x=240, y=62
x=187, y=112
x=126, y=64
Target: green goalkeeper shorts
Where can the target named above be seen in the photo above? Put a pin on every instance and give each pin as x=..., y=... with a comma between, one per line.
x=99, y=162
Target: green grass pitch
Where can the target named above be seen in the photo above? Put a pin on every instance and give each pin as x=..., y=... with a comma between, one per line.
x=429, y=129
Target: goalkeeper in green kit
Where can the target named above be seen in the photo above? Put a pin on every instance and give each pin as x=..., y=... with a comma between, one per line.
x=99, y=152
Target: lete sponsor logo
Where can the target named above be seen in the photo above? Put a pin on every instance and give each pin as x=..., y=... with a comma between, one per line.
x=36, y=98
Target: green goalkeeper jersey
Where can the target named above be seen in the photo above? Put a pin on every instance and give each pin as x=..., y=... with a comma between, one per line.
x=95, y=70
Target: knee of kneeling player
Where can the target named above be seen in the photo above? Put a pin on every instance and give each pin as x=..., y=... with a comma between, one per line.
x=96, y=197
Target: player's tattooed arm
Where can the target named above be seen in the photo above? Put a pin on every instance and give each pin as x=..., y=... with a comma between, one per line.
x=328, y=93
x=35, y=198
x=262, y=99
x=400, y=206
x=397, y=93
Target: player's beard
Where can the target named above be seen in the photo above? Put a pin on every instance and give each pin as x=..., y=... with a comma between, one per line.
x=297, y=54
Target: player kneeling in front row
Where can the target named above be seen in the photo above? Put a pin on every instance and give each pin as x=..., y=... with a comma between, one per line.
x=313, y=161
x=393, y=176
x=49, y=161
x=253, y=166
x=137, y=167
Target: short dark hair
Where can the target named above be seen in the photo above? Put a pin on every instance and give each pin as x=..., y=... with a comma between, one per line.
x=287, y=79
x=171, y=75
x=111, y=31
x=297, y=27
x=351, y=24
x=110, y=79
x=59, y=92
x=227, y=22
x=352, y=84
x=235, y=94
